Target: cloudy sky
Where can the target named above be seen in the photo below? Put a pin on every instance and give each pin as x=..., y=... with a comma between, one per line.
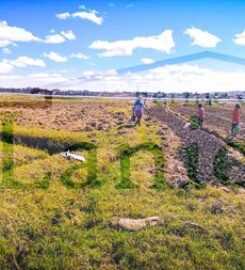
x=71, y=44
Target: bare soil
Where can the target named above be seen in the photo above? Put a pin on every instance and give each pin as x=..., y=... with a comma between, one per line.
x=217, y=118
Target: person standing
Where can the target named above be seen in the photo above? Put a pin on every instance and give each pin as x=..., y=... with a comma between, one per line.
x=236, y=117
x=200, y=115
x=138, y=110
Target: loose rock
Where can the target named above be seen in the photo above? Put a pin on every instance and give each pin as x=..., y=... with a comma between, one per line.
x=135, y=224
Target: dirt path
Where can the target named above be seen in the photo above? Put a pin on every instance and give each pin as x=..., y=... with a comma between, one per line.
x=208, y=144
x=216, y=119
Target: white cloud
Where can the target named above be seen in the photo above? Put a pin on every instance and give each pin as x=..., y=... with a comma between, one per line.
x=54, y=39
x=202, y=38
x=69, y=35
x=89, y=15
x=163, y=43
x=5, y=68
x=178, y=78
x=45, y=80
x=25, y=61
x=79, y=56
x=9, y=35
x=63, y=16
x=60, y=37
x=147, y=61
x=239, y=39
x=6, y=51
x=55, y=57
x=85, y=14
x=8, y=65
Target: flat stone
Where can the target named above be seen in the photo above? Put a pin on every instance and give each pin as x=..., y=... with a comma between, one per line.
x=130, y=224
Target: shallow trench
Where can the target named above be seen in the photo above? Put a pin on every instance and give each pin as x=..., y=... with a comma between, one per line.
x=46, y=144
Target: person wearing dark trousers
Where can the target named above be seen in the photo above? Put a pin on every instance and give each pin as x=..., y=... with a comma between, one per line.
x=236, y=118
x=200, y=115
x=138, y=110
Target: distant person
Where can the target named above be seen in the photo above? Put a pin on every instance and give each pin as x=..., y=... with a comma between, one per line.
x=236, y=117
x=200, y=115
x=138, y=110
x=210, y=101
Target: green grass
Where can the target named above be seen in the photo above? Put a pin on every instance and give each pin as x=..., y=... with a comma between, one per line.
x=56, y=221
x=191, y=160
x=222, y=166
x=239, y=145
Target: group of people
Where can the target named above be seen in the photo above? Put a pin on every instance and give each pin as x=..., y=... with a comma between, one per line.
x=235, y=123
x=138, y=111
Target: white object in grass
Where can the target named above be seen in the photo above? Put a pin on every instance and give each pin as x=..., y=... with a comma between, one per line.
x=69, y=155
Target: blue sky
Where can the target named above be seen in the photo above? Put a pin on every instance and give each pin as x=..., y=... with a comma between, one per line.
x=61, y=37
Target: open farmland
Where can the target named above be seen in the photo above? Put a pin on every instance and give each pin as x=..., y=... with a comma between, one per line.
x=56, y=213
x=217, y=117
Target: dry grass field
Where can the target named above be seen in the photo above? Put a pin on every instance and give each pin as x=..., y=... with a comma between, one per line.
x=217, y=118
x=54, y=216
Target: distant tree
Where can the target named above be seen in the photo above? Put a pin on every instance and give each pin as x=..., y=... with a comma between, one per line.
x=35, y=91
x=239, y=97
x=172, y=98
x=41, y=91
x=197, y=98
x=216, y=97
x=187, y=96
x=208, y=97
x=163, y=95
x=225, y=95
